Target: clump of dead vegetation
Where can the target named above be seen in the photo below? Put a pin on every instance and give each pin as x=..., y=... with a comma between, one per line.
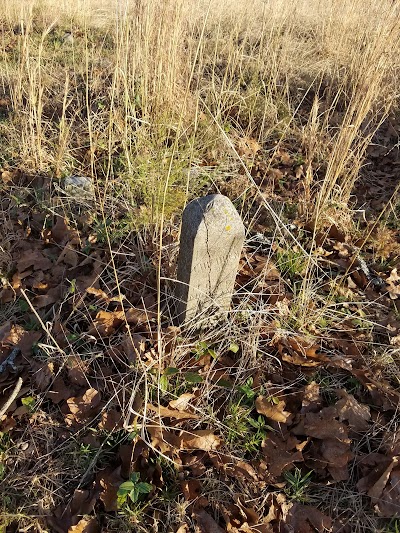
x=112, y=418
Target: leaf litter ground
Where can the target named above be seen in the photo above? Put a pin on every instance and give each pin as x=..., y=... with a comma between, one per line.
x=286, y=420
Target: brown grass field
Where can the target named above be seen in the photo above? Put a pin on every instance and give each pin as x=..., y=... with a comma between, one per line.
x=285, y=418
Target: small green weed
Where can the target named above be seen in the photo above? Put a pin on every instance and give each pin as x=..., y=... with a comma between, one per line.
x=29, y=402
x=245, y=431
x=202, y=349
x=134, y=489
x=172, y=380
x=297, y=485
x=393, y=526
x=290, y=262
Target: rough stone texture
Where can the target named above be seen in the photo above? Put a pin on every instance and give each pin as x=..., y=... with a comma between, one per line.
x=79, y=187
x=212, y=237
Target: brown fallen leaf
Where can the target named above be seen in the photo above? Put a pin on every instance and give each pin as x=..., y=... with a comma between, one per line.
x=348, y=408
x=191, y=489
x=385, y=491
x=83, y=502
x=337, y=454
x=105, y=324
x=133, y=345
x=109, y=481
x=85, y=525
x=393, y=283
x=51, y=297
x=166, y=441
x=138, y=316
x=43, y=376
x=232, y=467
x=83, y=407
x=206, y=523
x=35, y=259
x=69, y=256
x=388, y=505
x=311, y=399
x=61, y=233
x=111, y=420
x=307, y=519
x=274, y=411
x=59, y=391
x=183, y=402
x=172, y=413
x=280, y=453
x=77, y=370
x=202, y=439
x=299, y=351
x=22, y=339
x=322, y=425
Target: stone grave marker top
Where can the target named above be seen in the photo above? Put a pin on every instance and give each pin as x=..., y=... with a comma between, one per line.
x=212, y=237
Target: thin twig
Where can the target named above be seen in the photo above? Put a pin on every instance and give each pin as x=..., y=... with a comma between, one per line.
x=10, y=400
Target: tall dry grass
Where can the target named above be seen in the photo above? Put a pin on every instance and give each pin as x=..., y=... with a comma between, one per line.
x=141, y=77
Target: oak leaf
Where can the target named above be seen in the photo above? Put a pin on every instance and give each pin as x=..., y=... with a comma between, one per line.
x=322, y=425
x=348, y=408
x=337, y=453
x=280, y=453
x=274, y=411
x=307, y=519
x=182, y=403
x=202, y=439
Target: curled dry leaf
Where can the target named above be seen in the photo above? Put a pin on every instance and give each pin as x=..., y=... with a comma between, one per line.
x=183, y=402
x=84, y=406
x=164, y=412
x=348, y=408
x=274, y=411
x=203, y=439
x=111, y=420
x=393, y=283
x=109, y=481
x=24, y=340
x=311, y=399
x=85, y=525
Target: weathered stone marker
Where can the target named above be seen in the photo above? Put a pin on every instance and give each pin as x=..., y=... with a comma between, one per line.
x=212, y=237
